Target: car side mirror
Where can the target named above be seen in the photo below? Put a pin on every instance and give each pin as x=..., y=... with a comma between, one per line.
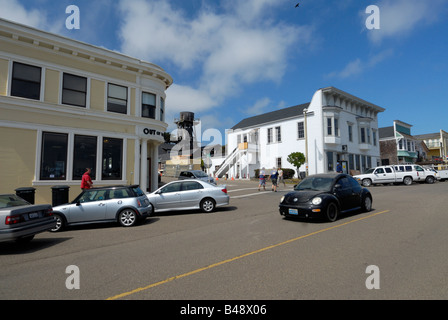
x=78, y=203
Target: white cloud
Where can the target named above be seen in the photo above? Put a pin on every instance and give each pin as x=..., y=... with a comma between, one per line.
x=398, y=18
x=224, y=49
x=12, y=10
x=358, y=66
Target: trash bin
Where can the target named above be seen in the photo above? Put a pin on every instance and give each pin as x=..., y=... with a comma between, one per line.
x=59, y=195
x=26, y=194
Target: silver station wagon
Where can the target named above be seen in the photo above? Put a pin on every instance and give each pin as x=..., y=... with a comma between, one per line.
x=123, y=204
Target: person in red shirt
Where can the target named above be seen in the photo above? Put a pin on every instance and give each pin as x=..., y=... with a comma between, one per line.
x=86, y=182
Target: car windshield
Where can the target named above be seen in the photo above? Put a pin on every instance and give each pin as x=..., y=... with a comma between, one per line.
x=200, y=174
x=369, y=171
x=315, y=183
x=11, y=200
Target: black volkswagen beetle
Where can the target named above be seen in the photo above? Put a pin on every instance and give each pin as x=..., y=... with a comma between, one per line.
x=326, y=196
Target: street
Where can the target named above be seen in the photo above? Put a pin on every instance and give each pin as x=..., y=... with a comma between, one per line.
x=245, y=251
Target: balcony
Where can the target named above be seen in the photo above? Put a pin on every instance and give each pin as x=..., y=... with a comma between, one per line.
x=364, y=146
x=332, y=140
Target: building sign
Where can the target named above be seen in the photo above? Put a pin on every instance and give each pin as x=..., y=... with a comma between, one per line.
x=148, y=132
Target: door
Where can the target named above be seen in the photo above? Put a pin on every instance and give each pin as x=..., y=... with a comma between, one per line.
x=91, y=206
x=169, y=197
x=191, y=193
x=347, y=197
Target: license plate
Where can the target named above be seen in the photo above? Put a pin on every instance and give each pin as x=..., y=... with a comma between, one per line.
x=33, y=215
x=293, y=211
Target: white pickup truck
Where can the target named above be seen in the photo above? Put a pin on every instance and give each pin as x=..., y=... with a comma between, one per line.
x=406, y=174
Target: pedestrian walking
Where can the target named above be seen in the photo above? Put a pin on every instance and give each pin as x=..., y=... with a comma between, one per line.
x=274, y=177
x=280, y=177
x=262, y=180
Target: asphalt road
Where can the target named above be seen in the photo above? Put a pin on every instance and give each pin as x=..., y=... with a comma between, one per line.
x=245, y=251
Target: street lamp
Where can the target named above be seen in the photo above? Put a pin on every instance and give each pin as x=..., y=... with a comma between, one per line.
x=306, y=140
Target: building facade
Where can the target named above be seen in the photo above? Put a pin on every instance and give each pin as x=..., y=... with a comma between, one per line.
x=397, y=145
x=67, y=105
x=334, y=127
x=437, y=144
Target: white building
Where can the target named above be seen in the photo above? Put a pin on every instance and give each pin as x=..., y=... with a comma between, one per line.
x=334, y=126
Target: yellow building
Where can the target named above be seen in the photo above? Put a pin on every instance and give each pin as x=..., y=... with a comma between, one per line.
x=67, y=105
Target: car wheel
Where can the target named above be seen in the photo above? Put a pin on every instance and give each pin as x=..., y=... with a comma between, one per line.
x=366, y=182
x=59, y=223
x=332, y=212
x=127, y=218
x=407, y=181
x=430, y=179
x=207, y=205
x=367, y=204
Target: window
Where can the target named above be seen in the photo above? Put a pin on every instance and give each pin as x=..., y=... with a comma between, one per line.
x=84, y=156
x=54, y=156
x=117, y=99
x=278, y=162
x=329, y=127
x=350, y=133
x=162, y=109
x=300, y=130
x=149, y=105
x=270, y=140
x=173, y=187
x=26, y=81
x=336, y=127
x=278, y=134
x=74, y=90
x=112, y=159
x=330, y=161
x=363, y=135
x=191, y=185
x=388, y=170
x=374, y=137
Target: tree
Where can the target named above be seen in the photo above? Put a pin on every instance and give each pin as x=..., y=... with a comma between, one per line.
x=296, y=159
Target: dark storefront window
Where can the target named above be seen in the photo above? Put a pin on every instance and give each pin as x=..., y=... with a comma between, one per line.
x=112, y=159
x=74, y=91
x=84, y=156
x=54, y=156
x=26, y=81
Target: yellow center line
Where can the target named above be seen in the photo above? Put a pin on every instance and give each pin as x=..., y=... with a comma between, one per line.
x=125, y=294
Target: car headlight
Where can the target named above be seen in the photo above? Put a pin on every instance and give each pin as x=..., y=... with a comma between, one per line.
x=282, y=198
x=316, y=201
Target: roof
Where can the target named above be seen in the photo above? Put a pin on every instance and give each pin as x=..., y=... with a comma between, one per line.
x=386, y=132
x=273, y=116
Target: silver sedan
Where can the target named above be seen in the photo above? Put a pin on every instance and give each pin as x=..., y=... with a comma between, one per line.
x=188, y=195
x=20, y=220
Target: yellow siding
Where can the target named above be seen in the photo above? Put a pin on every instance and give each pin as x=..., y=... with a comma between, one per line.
x=130, y=161
x=97, y=95
x=52, y=78
x=67, y=60
x=17, y=162
x=3, y=77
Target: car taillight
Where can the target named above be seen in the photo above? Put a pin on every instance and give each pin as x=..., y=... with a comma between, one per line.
x=48, y=213
x=13, y=219
x=224, y=190
x=139, y=203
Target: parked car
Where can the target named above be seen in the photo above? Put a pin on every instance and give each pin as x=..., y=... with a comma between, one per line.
x=196, y=174
x=188, y=195
x=325, y=196
x=406, y=174
x=21, y=221
x=123, y=204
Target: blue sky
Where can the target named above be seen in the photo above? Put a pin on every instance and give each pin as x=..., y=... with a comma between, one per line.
x=233, y=59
